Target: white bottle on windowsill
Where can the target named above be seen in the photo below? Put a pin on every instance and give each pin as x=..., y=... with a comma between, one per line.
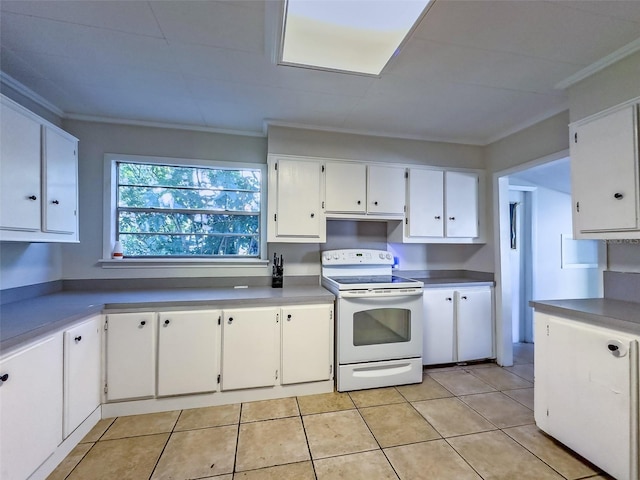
x=117, y=251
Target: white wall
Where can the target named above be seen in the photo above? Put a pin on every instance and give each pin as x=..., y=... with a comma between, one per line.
x=614, y=85
x=24, y=263
x=552, y=217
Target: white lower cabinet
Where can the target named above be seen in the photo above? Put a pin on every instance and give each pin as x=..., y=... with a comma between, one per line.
x=586, y=391
x=30, y=407
x=82, y=345
x=188, y=351
x=131, y=355
x=458, y=325
x=307, y=340
x=250, y=347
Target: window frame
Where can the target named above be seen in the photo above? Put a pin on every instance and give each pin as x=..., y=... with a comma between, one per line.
x=110, y=210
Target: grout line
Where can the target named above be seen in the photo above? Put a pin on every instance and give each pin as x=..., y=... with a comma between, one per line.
x=235, y=453
x=306, y=438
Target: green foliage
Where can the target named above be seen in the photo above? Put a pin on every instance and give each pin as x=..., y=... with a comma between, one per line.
x=188, y=211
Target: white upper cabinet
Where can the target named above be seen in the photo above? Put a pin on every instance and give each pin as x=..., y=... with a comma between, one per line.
x=346, y=187
x=461, y=204
x=19, y=169
x=605, y=175
x=60, y=186
x=38, y=178
x=385, y=190
x=295, y=201
x=425, y=211
x=442, y=207
x=357, y=190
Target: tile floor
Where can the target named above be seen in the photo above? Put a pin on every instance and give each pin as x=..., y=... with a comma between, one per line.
x=461, y=422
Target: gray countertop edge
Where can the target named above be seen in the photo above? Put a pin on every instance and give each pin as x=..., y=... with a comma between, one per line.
x=616, y=314
x=29, y=320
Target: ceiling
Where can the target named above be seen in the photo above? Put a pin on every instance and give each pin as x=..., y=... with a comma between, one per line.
x=554, y=175
x=472, y=72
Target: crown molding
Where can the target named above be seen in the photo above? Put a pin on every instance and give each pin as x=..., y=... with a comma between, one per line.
x=601, y=64
x=9, y=81
x=529, y=123
x=173, y=126
x=372, y=133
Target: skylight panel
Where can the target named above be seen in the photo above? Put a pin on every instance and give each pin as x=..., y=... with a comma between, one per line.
x=358, y=36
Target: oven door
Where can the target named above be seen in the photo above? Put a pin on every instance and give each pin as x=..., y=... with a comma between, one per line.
x=379, y=325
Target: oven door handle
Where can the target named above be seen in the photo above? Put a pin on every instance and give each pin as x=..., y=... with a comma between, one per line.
x=383, y=292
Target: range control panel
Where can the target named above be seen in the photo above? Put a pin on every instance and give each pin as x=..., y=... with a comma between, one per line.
x=356, y=257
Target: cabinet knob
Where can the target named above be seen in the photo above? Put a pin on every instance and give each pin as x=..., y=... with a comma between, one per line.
x=452, y=218
x=32, y=197
x=359, y=202
x=437, y=217
x=618, y=196
x=289, y=318
x=449, y=299
x=55, y=202
x=4, y=378
x=375, y=203
x=230, y=319
x=167, y=322
x=313, y=215
x=143, y=323
x=464, y=297
x=78, y=338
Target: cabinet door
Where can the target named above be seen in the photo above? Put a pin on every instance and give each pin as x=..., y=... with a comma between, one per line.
x=250, y=348
x=131, y=358
x=592, y=387
x=604, y=172
x=386, y=190
x=188, y=350
x=299, y=209
x=425, y=210
x=30, y=407
x=438, y=327
x=19, y=170
x=474, y=323
x=81, y=372
x=461, y=204
x=345, y=187
x=60, y=183
x=307, y=340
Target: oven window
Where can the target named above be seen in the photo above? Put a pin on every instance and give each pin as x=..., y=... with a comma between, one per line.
x=381, y=325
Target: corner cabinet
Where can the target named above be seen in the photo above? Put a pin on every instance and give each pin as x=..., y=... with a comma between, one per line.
x=295, y=205
x=605, y=175
x=443, y=206
x=38, y=178
x=30, y=407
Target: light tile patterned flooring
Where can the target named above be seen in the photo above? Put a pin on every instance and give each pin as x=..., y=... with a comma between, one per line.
x=462, y=422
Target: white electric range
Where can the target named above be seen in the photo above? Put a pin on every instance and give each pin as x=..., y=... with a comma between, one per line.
x=378, y=320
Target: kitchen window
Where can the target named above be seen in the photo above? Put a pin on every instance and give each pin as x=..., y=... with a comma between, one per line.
x=163, y=208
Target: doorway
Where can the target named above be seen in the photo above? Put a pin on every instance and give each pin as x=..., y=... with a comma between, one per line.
x=534, y=205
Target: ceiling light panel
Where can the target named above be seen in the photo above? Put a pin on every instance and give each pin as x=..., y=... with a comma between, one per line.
x=358, y=36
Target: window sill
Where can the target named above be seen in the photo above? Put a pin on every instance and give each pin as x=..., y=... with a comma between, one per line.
x=182, y=262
